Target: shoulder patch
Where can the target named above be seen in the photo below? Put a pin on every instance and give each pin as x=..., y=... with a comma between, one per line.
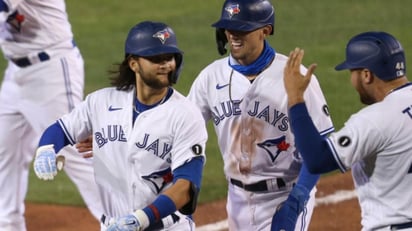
x=344, y=141
x=197, y=149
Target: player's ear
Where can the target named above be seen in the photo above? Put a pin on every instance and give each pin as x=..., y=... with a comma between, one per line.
x=267, y=30
x=367, y=76
x=133, y=64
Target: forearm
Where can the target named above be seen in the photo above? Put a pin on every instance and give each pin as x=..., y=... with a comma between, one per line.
x=179, y=193
x=182, y=195
x=307, y=179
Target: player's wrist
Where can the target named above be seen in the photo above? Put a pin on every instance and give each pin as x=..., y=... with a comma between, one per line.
x=295, y=99
x=142, y=218
x=160, y=208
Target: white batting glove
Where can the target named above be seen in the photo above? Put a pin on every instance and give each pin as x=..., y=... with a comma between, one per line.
x=136, y=221
x=45, y=162
x=126, y=223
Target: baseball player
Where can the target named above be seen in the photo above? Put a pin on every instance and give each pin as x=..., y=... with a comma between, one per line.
x=244, y=97
x=376, y=142
x=44, y=79
x=148, y=139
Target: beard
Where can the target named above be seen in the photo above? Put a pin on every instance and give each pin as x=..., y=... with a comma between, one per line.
x=154, y=81
x=364, y=97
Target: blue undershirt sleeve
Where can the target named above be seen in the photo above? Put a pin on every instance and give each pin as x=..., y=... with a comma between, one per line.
x=54, y=134
x=312, y=146
x=191, y=171
x=307, y=179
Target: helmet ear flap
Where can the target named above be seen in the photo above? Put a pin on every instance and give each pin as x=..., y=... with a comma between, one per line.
x=174, y=76
x=221, y=41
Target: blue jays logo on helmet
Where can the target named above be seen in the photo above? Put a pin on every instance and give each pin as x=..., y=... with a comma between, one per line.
x=162, y=35
x=246, y=15
x=232, y=10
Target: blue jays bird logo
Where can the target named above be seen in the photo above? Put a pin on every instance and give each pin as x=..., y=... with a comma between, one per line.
x=15, y=20
x=280, y=144
x=162, y=35
x=233, y=9
x=160, y=179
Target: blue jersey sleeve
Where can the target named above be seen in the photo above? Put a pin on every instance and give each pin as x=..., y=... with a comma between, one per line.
x=191, y=171
x=54, y=134
x=312, y=146
x=307, y=179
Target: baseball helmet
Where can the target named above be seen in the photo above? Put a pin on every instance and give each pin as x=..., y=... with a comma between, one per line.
x=154, y=38
x=246, y=15
x=379, y=52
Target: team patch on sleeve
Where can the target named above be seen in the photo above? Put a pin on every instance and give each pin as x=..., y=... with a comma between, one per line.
x=197, y=149
x=344, y=141
x=325, y=110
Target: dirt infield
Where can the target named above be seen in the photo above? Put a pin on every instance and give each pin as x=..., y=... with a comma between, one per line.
x=342, y=216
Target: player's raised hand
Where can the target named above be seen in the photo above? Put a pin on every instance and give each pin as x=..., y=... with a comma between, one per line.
x=295, y=82
x=45, y=162
x=126, y=223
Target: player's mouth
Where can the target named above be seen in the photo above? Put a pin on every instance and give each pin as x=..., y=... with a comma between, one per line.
x=236, y=45
x=163, y=74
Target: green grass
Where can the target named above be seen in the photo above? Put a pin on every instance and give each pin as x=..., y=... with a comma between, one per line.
x=321, y=27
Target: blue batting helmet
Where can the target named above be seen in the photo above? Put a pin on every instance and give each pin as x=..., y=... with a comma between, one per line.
x=154, y=38
x=379, y=52
x=246, y=15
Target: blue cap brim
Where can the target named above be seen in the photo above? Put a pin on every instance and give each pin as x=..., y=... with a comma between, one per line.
x=160, y=50
x=236, y=25
x=342, y=66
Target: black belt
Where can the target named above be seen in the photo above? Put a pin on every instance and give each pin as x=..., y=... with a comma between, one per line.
x=25, y=61
x=260, y=186
x=401, y=226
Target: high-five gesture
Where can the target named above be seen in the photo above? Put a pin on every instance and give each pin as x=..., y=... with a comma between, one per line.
x=295, y=82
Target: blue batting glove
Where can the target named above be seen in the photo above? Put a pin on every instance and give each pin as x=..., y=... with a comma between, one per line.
x=45, y=162
x=126, y=223
x=285, y=218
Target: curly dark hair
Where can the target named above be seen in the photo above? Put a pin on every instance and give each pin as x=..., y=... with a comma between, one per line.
x=123, y=78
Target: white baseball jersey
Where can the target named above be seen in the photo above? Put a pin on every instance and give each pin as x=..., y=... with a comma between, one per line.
x=251, y=122
x=35, y=26
x=376, y=143
x=34, y=96
x=132, y=161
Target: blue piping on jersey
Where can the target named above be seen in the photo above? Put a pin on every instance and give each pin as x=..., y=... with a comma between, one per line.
x=67, y=83
x=63, y=127
x=335, y=155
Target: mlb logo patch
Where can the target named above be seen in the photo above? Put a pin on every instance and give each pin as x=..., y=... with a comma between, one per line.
x=232, y=10
x=162, y=35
